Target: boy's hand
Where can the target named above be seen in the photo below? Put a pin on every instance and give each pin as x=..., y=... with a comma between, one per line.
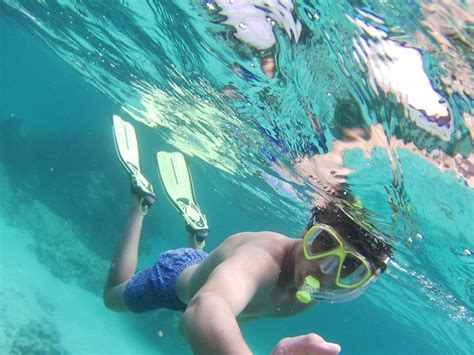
x=305, y=344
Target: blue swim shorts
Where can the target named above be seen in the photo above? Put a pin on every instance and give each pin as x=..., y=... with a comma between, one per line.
x=155, y=287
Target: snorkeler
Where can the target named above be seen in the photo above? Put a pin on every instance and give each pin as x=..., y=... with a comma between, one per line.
x=250, y=275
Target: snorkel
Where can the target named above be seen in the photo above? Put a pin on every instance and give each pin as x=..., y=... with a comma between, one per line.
x=311, y=285
x=311, y=290
x=306, y=292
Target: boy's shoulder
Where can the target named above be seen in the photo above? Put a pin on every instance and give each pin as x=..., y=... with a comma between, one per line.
x=263, y=239
x=261, y=235
x=254, y=244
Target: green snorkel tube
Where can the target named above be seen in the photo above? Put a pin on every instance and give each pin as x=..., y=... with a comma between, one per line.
x=310, y=286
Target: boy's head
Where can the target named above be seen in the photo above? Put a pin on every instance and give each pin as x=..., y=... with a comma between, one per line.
x=341, y=257
x=372, y=247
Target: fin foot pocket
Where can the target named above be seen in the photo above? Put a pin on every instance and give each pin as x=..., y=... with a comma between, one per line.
x=141, y=188
x=198, y=237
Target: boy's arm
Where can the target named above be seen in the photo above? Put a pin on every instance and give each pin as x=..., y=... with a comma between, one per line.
x=210, y=319
x=211, y=327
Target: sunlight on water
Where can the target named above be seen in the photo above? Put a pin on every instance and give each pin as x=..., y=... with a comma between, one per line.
x=366, y=103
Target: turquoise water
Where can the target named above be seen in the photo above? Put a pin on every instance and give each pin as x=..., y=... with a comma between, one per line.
x=67, y=66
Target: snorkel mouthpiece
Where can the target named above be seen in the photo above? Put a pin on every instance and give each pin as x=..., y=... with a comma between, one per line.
x=305, y=292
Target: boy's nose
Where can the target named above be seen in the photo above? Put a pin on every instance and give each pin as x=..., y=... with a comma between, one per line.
x=329, y=265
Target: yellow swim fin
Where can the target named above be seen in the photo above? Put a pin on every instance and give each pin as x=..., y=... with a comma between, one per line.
x=127, y=150
x=178, y=186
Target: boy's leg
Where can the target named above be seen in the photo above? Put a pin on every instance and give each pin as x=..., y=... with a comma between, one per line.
x=124, y=262
x=191, y=242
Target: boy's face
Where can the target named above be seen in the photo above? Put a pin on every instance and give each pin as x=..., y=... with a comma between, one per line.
x=325, y=268
x=304, y=267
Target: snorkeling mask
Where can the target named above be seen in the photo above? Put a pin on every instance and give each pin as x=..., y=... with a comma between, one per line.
x=352, y=271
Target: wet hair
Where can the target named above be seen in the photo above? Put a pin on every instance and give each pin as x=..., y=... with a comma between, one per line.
x=369, y=244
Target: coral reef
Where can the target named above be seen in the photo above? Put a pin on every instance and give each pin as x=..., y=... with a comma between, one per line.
x=37, y=337
x=58, y=245
x=26, y=327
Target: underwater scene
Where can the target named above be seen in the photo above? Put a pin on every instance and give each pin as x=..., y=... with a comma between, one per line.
x=278, y=106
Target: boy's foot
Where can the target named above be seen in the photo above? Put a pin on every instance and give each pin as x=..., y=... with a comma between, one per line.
x=140, y=187
x=196, y=238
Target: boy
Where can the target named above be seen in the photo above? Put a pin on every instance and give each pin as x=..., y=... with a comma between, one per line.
x=250, y=275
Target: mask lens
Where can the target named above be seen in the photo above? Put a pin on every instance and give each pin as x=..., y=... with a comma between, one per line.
x=353, y=270
x=322, y=241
